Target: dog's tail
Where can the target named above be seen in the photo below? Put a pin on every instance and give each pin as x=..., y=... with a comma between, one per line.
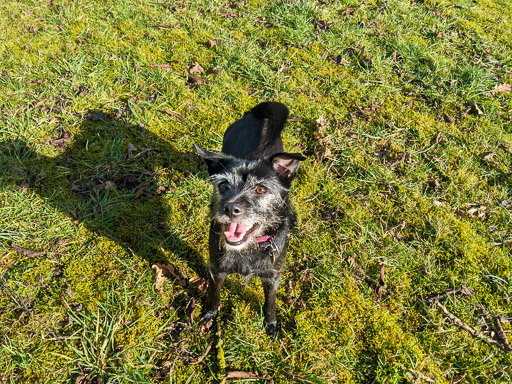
x=274, y=116
x=257, y=134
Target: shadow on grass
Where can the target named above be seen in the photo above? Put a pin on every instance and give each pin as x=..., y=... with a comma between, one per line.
x=105, y=178
x=112, y=177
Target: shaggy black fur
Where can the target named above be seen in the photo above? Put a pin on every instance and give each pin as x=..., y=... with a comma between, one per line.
x=251, y=213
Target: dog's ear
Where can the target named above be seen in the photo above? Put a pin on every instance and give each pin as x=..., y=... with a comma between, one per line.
x=286, y=164
x=215, y=161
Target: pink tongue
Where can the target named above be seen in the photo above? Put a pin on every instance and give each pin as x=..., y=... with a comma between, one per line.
x=235, y=232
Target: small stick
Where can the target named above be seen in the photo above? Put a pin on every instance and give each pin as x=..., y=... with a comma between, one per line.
x=473, y=332
x=20, y=304
x=202, y=357
x=501, y=333
x=434, y=298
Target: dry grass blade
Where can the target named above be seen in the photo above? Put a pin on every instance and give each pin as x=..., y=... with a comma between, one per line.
x=245, y=375
x=203, y=356
x=172, y=113
x=167, y=67
x=26, y=252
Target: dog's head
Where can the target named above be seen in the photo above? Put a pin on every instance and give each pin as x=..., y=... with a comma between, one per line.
x=250, y=197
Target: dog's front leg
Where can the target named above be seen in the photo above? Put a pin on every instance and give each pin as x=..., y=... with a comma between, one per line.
x=216, y=281
x=270, y=285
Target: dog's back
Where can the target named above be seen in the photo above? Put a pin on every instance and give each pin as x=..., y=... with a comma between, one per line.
x=258, y=134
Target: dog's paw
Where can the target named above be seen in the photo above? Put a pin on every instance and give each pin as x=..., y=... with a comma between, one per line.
x=210, y=315
x=272, y=329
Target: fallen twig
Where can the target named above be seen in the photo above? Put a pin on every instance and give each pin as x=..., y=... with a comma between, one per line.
x=378, y=287
x=491, y=318
x=19, y=302
x=473, y=332
x=202, y=357
x=433, y=298
x=502, y=335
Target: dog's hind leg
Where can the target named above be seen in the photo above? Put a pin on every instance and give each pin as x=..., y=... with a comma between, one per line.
x=270, y=285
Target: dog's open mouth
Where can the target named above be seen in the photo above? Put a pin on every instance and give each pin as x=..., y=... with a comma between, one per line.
x=237, y=234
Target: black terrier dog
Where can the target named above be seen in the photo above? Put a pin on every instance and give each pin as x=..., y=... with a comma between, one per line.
x=251, y=213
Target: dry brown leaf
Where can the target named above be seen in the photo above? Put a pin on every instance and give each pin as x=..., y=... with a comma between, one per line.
x=64, y=241
x=211, y=43
x=395, y=231
x=501, y=88
x=213, y=71
x=63, y=138
x=195, y=68
x=142, y=188
x=295, y=302
x=25, y=251
x=83, y=379
x=194, y=279
x=461, y=213
x=160, y=276
x=200, y=284
x=195, y=80
x=348, y=11
x=479, y=211
x=321, y=25
x=323, y=139
x=163, y=271
x=206, y=327
x=190, y=309
x=489, y=156
x=477, y=109
x=131, y=149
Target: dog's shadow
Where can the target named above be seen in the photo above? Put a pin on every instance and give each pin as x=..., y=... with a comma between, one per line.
x=104, y=177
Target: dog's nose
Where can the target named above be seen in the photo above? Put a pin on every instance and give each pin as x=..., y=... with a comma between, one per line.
x=232, y=209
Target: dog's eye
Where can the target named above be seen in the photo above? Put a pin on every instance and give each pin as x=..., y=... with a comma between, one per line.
x=224, y=186
x=260, y=190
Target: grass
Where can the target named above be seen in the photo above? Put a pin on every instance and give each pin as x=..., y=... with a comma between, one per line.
x=418, y=180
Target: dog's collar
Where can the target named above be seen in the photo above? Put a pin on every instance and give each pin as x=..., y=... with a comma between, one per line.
x=266, y=243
